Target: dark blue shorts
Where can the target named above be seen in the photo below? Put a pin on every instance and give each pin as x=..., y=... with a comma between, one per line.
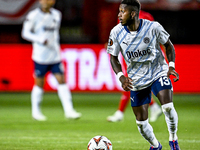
x=143, y=96
x=40, y=69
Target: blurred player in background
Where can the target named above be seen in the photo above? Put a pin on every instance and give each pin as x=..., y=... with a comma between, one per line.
x=139, y=42
x=41, y=27
x=155, y=110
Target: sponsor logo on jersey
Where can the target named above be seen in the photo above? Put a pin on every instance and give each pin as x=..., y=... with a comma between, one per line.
x=138, y=53
x=49, y=28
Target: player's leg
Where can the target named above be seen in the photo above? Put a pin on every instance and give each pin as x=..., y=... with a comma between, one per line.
x=145, y=129
x=155, y=110
x=119, y=114
x=171, y=117
x=162, y=88
x=37, y=92
x=140, y=101
x=64, y=92
x=124, y=101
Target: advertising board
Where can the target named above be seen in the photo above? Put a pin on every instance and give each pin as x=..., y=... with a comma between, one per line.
x=87, y=69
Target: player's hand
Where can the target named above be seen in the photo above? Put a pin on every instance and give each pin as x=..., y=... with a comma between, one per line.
x=126, y=83
x=174, y=73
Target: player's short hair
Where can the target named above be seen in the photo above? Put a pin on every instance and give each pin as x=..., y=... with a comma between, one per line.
x=135, y=3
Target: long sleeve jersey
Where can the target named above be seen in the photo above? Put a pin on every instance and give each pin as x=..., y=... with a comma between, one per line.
x=40, y=27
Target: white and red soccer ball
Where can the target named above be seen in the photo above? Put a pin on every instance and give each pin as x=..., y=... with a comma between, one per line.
x=99, y=143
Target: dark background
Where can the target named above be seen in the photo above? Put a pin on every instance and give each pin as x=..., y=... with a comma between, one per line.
x=86, y=21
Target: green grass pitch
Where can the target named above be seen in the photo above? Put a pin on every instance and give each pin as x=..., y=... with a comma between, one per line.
x=18, y=131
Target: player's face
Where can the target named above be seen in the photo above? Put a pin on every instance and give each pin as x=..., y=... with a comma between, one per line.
x=47, y=4
x=124, y=15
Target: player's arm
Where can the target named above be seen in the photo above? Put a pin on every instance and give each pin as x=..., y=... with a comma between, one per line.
x=116, y=66
x=170, y=53
x=163, y=38
x=28, y=33
x=113, y=48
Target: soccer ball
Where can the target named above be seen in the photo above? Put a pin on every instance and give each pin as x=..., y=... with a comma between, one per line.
x=99, y=143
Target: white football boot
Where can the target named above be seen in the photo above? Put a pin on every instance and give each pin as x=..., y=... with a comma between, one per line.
x=39, y=116
x=73, y=114
x=118, y=116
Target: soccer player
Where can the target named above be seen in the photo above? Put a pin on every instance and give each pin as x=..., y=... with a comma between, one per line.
x=41, y=27
x=155, y=110
x=139, y=42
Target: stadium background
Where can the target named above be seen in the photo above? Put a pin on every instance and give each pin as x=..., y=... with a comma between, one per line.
x=85, y=28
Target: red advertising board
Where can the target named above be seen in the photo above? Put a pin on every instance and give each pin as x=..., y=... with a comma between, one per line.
x=87, y=68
